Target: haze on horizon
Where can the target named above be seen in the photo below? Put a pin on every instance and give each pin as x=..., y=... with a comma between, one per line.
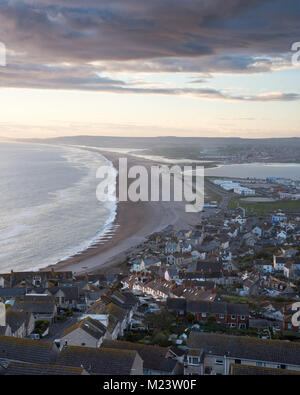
x=150, y=68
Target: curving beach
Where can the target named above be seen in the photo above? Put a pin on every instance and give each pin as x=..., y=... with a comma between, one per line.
x=134, y=222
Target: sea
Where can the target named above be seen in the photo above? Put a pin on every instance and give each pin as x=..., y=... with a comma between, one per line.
x=256, y=170
x=48, y=205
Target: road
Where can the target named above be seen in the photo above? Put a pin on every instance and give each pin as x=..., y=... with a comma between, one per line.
x=223, y=205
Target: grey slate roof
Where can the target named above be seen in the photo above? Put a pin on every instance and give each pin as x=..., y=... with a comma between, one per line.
x=275, y=351
x=92, y=327
x=71, y=293
x=27, y=350
x=35, y=307
x=29, y=369
x=154, y=357
x=7, y=293
x=15, y=319
x=195, y=306
x=98, y=361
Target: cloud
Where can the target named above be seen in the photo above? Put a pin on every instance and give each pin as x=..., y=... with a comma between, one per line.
x=143, y=29
x=74, y=44
x=87, y=78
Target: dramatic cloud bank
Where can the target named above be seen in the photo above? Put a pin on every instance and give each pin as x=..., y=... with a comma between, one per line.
x=69, y=44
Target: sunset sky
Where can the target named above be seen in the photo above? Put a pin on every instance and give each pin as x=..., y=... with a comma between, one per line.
x=210, y=68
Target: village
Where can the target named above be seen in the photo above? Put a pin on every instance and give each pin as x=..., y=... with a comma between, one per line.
x=217, y=298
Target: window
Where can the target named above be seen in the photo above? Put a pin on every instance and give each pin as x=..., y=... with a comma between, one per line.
x=237, y=361
x=203, y=315
x=221, y=316
x=232, y=325
x=243, y=317
x=193, y=361
x=219, y=361
x=233, y=316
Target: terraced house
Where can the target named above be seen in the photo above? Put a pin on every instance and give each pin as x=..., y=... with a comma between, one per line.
x=211, y=354
x=232, y=315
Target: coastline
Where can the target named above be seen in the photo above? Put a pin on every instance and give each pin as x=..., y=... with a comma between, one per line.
x=133, y=223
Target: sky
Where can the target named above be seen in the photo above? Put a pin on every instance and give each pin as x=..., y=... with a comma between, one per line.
x=209, y=68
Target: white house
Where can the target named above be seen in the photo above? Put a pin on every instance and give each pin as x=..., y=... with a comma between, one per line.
x=282, y=235
x=257, y=231
x=279, y=263
x=138, y=266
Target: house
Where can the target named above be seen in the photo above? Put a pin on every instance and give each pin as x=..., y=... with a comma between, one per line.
x=35, y=279
x=211, y=354
x=197, y=255
x=159, y=289
x=210, y=249
x=126, y=300
x=43, y=307
x=13, y=368
x=119, y=319
x=138, y=265
x=171, y=274
x=11, y=293
x=197, y=238
x=186, y=247
x=287, y=323
x=184, y=234
x=152, y=261
x=66, y=297
x=281, y=236
x=278, y=218
x=205, y=268
x=279, y=263
x=193, y=291
x=252, y=287
x=86, y=333
x=21, y=323
x=272, y=313
x=231, y=315
x=264, y=267
x=156, y=360
x=257, y=231
x=172, y=247
x=292, y=269
x=102, y=361
x=26, y=350
x=250, y=239
x=5, y=330
x=170, y=259
x=224, y=240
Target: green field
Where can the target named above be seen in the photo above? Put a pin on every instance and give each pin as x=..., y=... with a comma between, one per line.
x=265, y=208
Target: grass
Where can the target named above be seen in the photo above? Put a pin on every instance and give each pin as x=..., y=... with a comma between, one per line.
x=265, y=208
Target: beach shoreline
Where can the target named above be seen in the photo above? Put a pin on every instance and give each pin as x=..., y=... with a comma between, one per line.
x=133, y=224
